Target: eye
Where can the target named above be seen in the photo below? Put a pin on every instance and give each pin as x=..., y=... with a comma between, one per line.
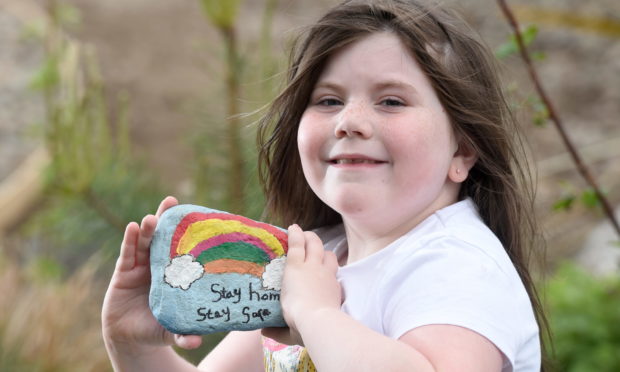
x=392, y=102
x=329, y=102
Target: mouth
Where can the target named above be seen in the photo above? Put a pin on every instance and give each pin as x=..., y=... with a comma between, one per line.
x=354, y=160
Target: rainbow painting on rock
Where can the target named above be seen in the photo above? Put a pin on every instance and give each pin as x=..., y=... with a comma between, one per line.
x=213, y=271
x=221, y=243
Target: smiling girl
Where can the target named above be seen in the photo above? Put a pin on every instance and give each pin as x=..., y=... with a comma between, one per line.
x=393, y=143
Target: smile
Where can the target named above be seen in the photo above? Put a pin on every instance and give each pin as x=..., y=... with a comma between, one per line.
x=355, y=161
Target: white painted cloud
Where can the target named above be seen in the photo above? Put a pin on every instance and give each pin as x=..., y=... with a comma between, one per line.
x=183, y=271
x=272, y=277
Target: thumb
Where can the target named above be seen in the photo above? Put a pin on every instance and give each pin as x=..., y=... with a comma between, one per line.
x=330, y=261
x=188, y=341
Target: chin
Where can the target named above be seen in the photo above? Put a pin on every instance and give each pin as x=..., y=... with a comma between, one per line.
x=353, y=203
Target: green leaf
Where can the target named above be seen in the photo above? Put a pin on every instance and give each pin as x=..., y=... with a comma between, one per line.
x=540, y=115
x=221, y=13
x=33, y=31
x=538, y=56
x=507, y=49
x=45, y=269
x=590, y=199
x=511, y=46
x=529, y=34
x=67, y=15
x=564, y=204
x=47, y=76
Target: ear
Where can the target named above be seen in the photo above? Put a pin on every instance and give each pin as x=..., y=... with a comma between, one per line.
x=463, y=160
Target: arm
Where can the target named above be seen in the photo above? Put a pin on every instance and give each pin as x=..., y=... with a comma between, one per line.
x=311, y=302
x=135, y=341
x=428, y=348
x=146, y=358
x=237, y=352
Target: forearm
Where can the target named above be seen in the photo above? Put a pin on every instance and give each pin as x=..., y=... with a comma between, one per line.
x=337, y=342
x=239, y=351
x=146, y=358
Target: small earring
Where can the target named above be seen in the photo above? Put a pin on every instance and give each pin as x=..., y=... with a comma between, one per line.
x=458, y=171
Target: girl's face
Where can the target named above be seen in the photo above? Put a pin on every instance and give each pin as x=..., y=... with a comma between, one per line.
x=375, y=142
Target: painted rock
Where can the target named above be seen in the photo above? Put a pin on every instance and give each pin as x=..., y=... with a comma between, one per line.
x=213, y=271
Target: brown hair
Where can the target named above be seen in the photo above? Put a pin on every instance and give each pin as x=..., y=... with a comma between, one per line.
x=463, y=74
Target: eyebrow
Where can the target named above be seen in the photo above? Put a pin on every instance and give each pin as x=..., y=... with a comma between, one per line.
x=397, y=84
x=328, y=85
x=384, y=84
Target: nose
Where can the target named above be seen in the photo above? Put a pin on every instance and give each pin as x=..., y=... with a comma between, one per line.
x=354, y=121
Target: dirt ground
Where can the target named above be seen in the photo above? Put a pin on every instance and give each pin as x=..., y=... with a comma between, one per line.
x=163, y=55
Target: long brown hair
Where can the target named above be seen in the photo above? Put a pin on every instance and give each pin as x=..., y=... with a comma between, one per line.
x=463, y=74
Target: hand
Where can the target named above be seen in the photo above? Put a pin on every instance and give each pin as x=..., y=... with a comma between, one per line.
x=309, y=284
x=126, y=317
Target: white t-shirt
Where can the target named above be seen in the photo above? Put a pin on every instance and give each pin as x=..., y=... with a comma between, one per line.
x=450, y=269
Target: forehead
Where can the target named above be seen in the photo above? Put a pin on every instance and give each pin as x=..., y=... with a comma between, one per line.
x=383, y=47
x=375, y=59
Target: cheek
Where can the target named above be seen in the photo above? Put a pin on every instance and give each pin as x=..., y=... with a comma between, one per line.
x=409, y=147
x=306, y=139
x=310, y=140
x=313, y=134
x=421, y=154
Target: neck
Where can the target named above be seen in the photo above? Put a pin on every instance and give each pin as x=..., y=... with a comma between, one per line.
x=364, y=238
x=362, y=241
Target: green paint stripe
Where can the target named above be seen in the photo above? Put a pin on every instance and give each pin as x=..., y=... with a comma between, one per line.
x=234, y=251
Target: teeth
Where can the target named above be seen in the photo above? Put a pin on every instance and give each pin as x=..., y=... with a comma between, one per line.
x=355, y=161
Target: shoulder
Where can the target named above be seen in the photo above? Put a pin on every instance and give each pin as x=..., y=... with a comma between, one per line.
x=455, y=271
x=455, y=255
x=455, y=235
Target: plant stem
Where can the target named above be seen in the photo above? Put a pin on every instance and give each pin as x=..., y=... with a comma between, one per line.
x=555, y=118
x=235, y=148
x=102, y=209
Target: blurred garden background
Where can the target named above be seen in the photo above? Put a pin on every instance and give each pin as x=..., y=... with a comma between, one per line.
x=108, y=106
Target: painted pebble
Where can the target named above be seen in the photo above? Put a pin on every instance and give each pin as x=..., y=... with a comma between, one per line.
x=213, y=271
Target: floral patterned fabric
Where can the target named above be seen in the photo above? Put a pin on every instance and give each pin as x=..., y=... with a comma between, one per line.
x=285, y=358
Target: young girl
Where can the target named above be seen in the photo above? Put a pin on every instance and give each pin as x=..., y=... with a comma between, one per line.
x=393, y=142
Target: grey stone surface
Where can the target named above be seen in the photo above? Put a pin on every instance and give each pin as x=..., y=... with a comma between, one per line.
x=187, y=300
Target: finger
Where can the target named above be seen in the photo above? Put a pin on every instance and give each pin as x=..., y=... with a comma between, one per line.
x=127, y=257
x=314, y=247
x=188, y=341
x=330, y=261
x=296, y=240
x=168, y=338
x=147, y=228
x=169, y=201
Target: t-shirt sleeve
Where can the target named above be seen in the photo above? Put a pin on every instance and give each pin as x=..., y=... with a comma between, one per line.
x=449, y=281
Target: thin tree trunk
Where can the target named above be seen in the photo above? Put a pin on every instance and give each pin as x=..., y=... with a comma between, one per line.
x=236, y=180
x=555, y=119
